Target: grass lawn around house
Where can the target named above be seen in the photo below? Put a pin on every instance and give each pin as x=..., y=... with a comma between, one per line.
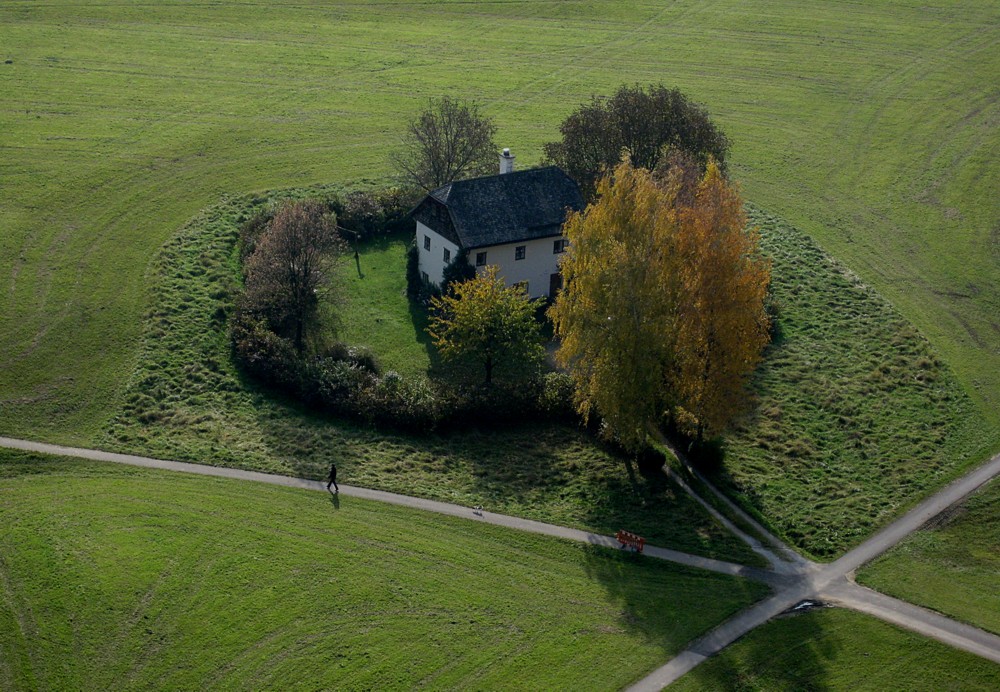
x=951, y=565
x=376, y=311
x=832, y=649
x=872, y=127
x=115, y=576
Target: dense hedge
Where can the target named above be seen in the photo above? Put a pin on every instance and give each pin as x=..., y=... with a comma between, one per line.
x=349, y=382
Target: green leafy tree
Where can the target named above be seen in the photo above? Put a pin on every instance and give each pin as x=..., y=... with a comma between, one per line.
x=642, y=121
x=662, y=310
x=484, y=321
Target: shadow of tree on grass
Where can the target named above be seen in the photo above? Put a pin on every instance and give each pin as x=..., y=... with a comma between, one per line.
x=668, y=605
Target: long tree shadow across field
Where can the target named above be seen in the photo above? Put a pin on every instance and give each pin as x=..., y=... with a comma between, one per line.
x=658, y=604
x=800, y=637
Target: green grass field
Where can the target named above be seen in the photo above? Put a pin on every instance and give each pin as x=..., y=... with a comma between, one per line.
x=839, y=650
x=951, y=566
x=116, y=577
x=871, y=127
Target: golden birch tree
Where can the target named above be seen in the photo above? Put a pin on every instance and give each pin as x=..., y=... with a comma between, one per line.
x=613, y=315
x=721, y=325
x=662, y=311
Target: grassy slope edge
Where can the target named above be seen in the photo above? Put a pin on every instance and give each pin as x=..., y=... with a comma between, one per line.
x=855, y=417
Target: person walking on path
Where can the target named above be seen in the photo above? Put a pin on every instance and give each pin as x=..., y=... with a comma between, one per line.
x=333, y=478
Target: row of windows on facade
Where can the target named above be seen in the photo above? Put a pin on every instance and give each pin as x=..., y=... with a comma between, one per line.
x=558, y=246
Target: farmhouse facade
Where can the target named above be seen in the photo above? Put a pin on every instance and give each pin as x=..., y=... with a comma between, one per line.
x=512, y=220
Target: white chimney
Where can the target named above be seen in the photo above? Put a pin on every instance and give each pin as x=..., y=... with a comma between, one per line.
x=506, y=162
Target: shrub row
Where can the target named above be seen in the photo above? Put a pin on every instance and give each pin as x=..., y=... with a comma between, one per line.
x=349, y=382
x=371, y=213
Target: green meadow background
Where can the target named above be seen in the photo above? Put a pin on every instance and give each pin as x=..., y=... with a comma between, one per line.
x=872, y=127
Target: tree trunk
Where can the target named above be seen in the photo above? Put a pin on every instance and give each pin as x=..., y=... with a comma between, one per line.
x=298, y=336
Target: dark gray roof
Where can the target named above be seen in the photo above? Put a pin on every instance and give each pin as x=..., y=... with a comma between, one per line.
x=522, y=205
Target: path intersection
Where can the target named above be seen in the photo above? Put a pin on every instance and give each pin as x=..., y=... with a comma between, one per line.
x=793, y=579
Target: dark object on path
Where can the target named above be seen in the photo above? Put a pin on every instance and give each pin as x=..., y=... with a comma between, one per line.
x=333, y=478
x=627, y=538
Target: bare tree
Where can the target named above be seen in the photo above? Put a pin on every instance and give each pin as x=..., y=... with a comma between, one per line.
x=289, y=272
x=448, y=141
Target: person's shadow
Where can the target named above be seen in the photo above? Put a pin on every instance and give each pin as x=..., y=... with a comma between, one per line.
x=335, y=500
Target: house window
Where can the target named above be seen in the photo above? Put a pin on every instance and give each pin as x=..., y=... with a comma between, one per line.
x=559, y=246
x=447, y=255
x=427, y=242
x=480, y=259
x=522, y=285
x=519, y=252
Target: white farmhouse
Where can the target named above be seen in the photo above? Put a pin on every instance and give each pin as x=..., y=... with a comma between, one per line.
x=512, y=220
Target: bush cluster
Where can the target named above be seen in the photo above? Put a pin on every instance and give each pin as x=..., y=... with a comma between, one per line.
x=349, y=382
x=374, y=213
x=365, y=214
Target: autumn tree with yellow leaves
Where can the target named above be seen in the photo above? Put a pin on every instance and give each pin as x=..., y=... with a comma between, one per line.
x=484, y=321
x=662, y=313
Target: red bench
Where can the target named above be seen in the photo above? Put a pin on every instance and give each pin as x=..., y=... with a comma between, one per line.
x=627, y=538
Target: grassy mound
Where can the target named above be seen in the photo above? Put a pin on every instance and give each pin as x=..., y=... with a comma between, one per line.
x=185, y=400
x=840, y=650
x=855, y=416
x=952, y=565
x=120, y=577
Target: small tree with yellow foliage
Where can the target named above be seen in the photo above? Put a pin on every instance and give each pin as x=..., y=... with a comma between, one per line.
x=489, y=323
